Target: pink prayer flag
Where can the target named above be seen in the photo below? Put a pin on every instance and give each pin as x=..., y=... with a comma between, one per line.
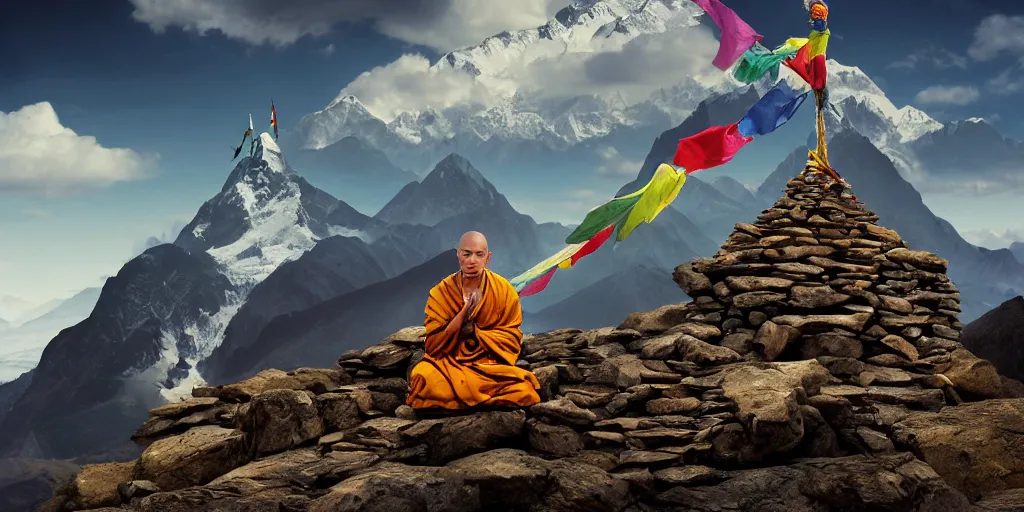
x=709, y=148
x=737, y=36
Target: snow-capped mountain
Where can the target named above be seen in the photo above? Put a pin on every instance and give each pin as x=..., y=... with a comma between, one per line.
x=264, y=215
x=574, y=128
x=521, y=116
x=848, y=86
x=168, y=308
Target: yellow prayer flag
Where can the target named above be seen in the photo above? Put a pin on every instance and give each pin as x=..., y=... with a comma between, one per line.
x=659, y=193
x=818, y=42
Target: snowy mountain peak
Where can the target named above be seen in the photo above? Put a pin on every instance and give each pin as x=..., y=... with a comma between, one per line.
x=420, y=126
x=268, y=151
x=576, y=27
x=850, y=88
x=849, y=81
x=347, y=100
x=512, y=110
x=975, y=120
x=264, y=215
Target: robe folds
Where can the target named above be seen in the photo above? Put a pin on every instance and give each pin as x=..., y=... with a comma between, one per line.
x=458, y=372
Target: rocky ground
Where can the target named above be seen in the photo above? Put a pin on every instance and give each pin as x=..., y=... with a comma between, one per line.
x=817, y=368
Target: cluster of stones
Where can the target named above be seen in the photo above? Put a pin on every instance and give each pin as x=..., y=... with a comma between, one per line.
x=816, y=276
x=810, y=370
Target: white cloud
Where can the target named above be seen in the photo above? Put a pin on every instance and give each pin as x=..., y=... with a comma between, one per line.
x=409, y=84
x=632, y=70
x=613, y=164
x=328, y=50
x=931, y=56
x=948, y=95
x=990, y=239
x=38, y=154
x=439, y=24
x=997, y=34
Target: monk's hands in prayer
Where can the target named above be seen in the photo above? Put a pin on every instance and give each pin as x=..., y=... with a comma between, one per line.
x=472, y=303
x=467, y=307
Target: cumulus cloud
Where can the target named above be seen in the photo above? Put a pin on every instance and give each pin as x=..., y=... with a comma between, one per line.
x=630, y=70
x=439, y=24
x=948, y=95
x=40, y=155
x=931, y=56
x=409, y=84
x=997, y=34
x=328, y=50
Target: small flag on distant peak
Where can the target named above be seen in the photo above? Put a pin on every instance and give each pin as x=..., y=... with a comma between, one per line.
x=273, y=118
x=238, y=150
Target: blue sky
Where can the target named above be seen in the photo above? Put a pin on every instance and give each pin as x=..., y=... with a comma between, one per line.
x=127, y=74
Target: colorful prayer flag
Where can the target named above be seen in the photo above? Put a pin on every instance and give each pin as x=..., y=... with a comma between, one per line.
x=776, y=107
x=658, y=193
x=651, y=199
x=712, y=147
x=737, y=36
x=818, y=42
x=536, y=279
x=812, y=70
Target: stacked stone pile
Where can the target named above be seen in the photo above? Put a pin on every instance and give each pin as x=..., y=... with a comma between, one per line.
x=816, y=276
x=817, y=368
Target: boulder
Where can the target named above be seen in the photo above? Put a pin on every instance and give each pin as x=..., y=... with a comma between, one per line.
x=978, y=448
x=193, y=458
x=96, y=485
x=280, y=419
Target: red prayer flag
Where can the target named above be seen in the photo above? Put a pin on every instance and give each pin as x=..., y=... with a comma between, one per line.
x=273, y=118
x=709, y=148
x=539, y=284
x=593, y=244
x=813, y=71
x=588, y=247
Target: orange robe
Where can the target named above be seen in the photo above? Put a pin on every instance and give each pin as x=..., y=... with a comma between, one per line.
x=459, y=372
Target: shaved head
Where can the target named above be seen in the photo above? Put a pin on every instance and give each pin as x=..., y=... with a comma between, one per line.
x=473, y=238
x=473, y=254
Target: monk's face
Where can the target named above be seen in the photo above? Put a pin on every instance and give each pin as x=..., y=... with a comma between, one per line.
x=473, y=256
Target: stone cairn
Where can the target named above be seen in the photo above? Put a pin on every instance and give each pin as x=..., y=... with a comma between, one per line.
x=816, y=276
x=817, y=368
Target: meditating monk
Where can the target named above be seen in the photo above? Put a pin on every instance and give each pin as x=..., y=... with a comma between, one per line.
x=473, y=320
